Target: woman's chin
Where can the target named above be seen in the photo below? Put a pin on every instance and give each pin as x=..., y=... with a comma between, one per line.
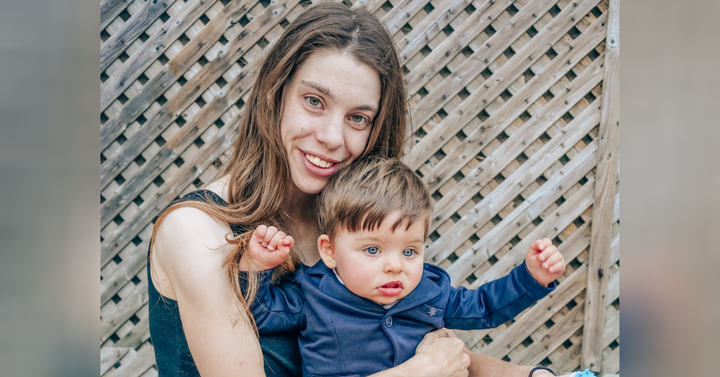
x=310, y=186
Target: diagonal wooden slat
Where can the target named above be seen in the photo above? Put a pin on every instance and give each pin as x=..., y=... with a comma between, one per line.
x=155, y=46
x=120, y=40
x=110, y=9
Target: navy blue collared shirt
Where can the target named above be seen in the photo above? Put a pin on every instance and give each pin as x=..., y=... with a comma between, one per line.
x=342, y=334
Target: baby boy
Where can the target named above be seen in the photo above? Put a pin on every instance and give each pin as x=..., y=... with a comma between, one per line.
x=368, y=303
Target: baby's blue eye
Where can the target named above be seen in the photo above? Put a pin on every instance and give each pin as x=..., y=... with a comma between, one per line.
x=372, y=250
x=408, y=252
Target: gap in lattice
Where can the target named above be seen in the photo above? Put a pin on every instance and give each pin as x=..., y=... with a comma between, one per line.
x=428, y=8
x=554, y=11
x=573, y=32
x=183, y=39
x=489, y=31
x=531, y=31
x=470, y=9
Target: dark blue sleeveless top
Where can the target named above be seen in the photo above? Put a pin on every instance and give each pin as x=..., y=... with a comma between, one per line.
x=172, y=355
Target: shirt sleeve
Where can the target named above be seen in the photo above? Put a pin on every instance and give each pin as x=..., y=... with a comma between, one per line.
x=495, y=302
x=276, y=308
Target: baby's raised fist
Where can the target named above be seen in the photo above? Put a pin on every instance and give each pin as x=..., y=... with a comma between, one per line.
x=544, y=261
x=268, y=247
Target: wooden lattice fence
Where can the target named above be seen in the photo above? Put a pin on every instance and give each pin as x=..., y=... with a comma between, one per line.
x=515, y=113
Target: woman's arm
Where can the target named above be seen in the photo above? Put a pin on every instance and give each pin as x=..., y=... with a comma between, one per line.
x=189, y=249
x=488, y=366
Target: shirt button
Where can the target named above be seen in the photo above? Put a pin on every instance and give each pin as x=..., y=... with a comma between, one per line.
x=432, y=312
x=388, y=321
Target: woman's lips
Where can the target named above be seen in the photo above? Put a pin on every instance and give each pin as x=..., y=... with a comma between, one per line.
x=318, y=165
x=390, y=289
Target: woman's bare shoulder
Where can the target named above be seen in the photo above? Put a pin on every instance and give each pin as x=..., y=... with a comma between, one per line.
x=187, y=229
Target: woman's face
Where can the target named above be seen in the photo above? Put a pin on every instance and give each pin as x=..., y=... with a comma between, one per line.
x=329, y=107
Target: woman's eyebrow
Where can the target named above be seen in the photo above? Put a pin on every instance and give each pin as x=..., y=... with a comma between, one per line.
x=326, y=91
x=319, y=88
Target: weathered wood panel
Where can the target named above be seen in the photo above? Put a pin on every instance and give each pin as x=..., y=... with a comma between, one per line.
x=511, y=102
x=592, y=351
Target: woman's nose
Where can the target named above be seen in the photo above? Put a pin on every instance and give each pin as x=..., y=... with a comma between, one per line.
x=331, y=132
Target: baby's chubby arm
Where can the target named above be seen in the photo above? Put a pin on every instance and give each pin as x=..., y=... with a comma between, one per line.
x=544, y=261
x=268, y=248
x=276, y=307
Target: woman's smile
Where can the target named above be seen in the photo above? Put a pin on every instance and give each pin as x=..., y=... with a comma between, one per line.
x=319, y=166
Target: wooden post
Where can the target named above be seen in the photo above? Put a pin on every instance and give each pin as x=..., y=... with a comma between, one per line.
x=602, y=215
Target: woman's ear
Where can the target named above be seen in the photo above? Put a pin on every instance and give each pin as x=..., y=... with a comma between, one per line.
x=327, y=253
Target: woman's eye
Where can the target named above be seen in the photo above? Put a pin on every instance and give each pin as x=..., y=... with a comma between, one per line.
x=358, y=119
x=313, y=101
x=408, y=252
x=372, y=250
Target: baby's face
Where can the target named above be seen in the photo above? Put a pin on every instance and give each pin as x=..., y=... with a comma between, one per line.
x=381, y=265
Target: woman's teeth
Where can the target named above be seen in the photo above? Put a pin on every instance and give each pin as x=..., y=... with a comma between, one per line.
x=317, y=161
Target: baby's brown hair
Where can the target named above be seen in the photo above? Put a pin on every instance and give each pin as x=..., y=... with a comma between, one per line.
x=363, y=194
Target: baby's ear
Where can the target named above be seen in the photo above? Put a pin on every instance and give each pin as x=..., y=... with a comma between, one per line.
x=327, y=253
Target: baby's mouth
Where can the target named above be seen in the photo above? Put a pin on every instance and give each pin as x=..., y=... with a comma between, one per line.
x=317, y=161
x=392, y=288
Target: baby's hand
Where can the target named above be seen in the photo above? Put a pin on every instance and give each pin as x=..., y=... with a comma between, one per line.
x=268, y=247
x=544, y=261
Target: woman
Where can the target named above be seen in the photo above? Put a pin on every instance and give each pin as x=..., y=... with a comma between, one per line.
x=330, y=91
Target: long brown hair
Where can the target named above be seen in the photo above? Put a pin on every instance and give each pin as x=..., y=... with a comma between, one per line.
x=258, y=169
